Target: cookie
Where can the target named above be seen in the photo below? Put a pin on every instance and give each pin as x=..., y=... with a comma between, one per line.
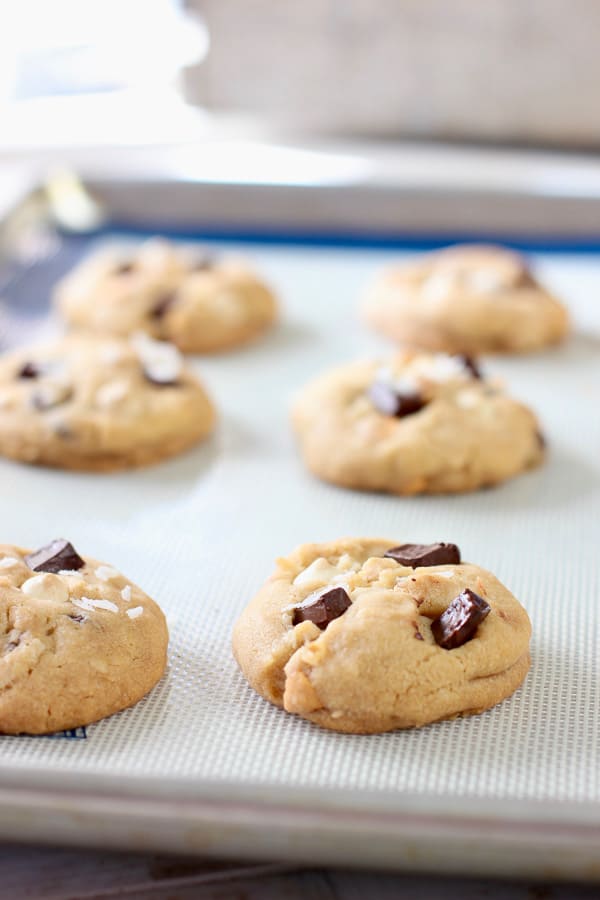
x=78, y=640
x=347, y=637
x=466, y=299
x=420, y=423
x=200, y=303
x=99, y=404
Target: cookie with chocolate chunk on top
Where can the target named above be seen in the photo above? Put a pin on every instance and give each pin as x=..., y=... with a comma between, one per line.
x=100, y=404
x=466, y=299
x=348, y=637
x=78, y=642
x=200, y=302
x=416, y=423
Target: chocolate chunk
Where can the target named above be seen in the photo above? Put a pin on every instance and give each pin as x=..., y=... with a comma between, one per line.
x=163, y=304
x=29, y=370
x=124, y=268
x=470, y=365
x=459, y=622
x=392, y=402
x=324, y=609
x=55, y=557
x=204, y=263
x=78, y=618
x=415, y=555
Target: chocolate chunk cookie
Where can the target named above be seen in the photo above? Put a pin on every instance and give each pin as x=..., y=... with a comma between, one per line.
x=345, y=636
x=78, y=640
x=100, y=404
x=201, y=303
x=466, y=299
x=421, y=423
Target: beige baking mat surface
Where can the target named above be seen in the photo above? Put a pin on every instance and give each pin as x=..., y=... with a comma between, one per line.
x=200, y=535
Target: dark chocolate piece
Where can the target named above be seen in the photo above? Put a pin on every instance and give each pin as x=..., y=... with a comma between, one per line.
x=55, y=557
x=391, y=402
x=541, y=439
x=203, y=263
x=415, y=555
x=324, y=609
x=29, y=370
x=459, y=622
x=77, y=618
x=124, y=268
x=470, y=365
x=163, y=304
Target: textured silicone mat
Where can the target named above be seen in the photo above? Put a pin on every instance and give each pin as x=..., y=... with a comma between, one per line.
x=200, y=535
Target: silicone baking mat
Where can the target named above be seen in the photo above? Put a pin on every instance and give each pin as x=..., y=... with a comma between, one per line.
x=200, y=534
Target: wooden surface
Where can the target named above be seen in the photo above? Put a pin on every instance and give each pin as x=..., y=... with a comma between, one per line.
x=57, y=874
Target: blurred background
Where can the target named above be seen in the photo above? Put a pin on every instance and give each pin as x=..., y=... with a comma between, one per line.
x=117, y=72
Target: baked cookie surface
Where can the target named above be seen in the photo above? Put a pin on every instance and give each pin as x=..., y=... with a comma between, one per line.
x=78, y=640
x=420, y=423
x=356, y=641
x=198, y=302
x=466, y=299
x=99, y=404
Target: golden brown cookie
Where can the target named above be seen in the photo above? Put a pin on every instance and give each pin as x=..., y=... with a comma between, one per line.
x=356, y=640
x=100, y=404
x=466, y=299
x=199, y=302
x=78, y=640
x=418, y=423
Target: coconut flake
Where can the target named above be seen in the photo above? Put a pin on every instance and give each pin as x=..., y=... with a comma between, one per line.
x=135, y=612
x=105, y=573
x=89, y=604
x=8, y=562
x=126, y=593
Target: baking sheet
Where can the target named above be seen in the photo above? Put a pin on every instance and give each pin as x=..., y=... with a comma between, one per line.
x=200, y=533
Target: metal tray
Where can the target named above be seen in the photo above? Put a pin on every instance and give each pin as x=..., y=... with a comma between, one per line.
x=203, y=766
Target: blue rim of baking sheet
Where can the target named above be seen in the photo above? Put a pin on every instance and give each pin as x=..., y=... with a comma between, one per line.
x=371, y=240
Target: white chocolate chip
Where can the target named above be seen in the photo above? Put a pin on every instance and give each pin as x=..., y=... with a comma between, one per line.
x=111, y=354
x=485, y=281
x=46, y=586
x=442, y=367
x=89, y=604
x=135, y=612
x=105, y=573
x=319, y=572
x=111, y=393
x=467, y=399
x=162, y=362
x=438, y=286
x=8, y=562
x=126, y=593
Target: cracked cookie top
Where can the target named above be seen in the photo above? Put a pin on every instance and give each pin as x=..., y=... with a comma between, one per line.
x=346, y=636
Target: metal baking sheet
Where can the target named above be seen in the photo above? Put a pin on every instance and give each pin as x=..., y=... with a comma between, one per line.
x=205, y=766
